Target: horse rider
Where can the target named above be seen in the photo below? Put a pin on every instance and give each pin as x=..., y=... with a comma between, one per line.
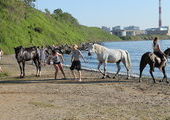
x=157, y=51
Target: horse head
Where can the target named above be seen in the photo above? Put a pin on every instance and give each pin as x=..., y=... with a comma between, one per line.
x=90, y=49
x=18, y=49
x=67, y=49
x=167, y=52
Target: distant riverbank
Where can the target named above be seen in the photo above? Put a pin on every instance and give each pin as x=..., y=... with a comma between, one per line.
x=146, y=37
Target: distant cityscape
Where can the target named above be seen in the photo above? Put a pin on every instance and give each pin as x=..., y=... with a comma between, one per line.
x=135, y=30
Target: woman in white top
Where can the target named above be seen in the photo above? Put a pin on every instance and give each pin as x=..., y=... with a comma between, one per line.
x=57, y=62
x=157, y=50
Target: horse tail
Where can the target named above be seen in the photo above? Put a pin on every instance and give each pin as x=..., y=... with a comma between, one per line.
x=128, y=60
x=142, y=63
x=145, y=60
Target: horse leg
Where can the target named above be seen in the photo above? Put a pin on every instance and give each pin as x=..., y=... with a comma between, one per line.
x=152, y=76
x=36, y=65
x=124, y=62
x=141, y=70
x=23, y=67
x=39, y=68
x=20, y=66
x=105, y=75
x=165, y=76
x=118, y=70
x=100, y=63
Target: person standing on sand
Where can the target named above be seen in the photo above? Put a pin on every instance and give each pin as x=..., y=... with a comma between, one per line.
x=1, y=54
x=56, y=58
x=157, y=51
x=75, y=60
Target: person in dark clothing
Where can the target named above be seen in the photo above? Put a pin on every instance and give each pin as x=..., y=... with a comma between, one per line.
x=75, y=59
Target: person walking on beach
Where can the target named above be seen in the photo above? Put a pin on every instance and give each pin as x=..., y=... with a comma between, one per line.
x=1, y=54
x=75, y=60
x=43, y=55
x=157, y=51
x=56, y=58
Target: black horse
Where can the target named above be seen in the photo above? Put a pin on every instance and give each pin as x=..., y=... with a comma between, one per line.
x=26, y=54
x=153, y=61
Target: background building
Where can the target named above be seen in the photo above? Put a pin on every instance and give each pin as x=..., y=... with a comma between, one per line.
x=107, y=29
x=127, y=31
x=164, y=30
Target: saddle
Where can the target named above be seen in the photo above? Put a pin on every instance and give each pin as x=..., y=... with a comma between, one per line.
x=155, y=58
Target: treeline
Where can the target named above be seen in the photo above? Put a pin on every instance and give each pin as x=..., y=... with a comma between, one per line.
x=146, y=37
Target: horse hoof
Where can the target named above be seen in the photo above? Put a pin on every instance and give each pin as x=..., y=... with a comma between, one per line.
x=160, y=80
x=108, y=76
x=37, y=75
x=103, y=77
x=21, y=76
x=167, y=82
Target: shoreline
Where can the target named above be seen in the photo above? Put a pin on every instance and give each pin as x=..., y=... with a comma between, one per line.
x=5, y=62
x=113, y=73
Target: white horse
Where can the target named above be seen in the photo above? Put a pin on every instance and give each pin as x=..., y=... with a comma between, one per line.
x=105, y=55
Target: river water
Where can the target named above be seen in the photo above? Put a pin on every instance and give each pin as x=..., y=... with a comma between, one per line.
x=136, y=50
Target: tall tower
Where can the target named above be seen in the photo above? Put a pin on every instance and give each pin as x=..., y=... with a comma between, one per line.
x=160, y=14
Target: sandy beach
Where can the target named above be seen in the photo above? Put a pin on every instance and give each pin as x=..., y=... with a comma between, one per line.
x=43, y=98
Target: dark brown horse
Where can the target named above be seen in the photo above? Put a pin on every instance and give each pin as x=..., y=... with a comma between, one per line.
x=153, y=61
x=26, y=54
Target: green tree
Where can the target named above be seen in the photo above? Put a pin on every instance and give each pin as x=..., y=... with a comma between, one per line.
x=47, y=11
x=58, y=12
x=30, y=2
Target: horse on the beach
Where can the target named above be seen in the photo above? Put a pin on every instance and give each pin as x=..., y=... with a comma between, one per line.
x=106, y=55
x=26, y=54
x=153, y=61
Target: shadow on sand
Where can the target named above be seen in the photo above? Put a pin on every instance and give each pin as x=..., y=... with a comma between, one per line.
x=61, y=81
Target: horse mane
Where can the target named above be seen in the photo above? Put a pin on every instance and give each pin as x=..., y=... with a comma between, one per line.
x=99, y=47
x=167, y=51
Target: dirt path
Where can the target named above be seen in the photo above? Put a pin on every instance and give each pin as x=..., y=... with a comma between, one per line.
x=44, y=98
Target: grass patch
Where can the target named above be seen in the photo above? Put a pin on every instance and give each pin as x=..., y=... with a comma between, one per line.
x=3, y=74
x=42, y=105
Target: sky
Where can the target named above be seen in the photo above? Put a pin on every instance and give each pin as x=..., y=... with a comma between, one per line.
x=110, y=13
